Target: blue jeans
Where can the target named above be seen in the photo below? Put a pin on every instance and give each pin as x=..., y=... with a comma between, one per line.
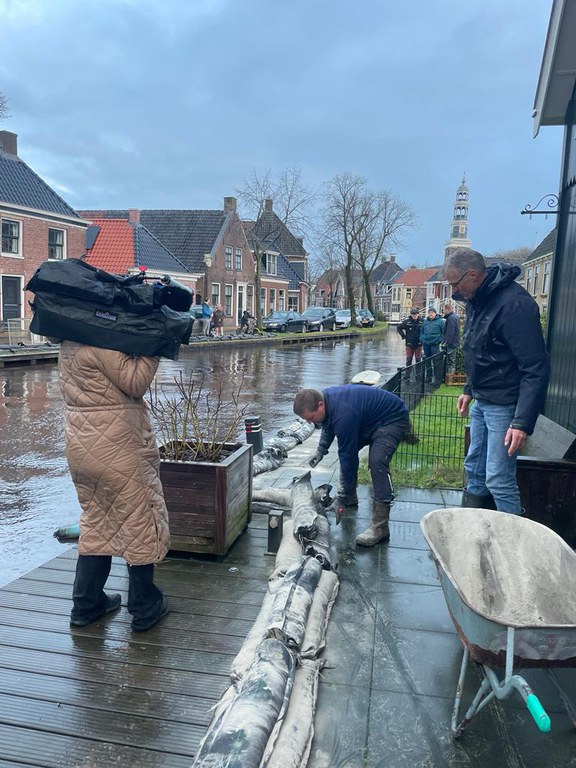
x=431, y=366
x=488, y=467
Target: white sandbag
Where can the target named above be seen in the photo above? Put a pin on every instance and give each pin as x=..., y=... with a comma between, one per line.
x=292, y=746
x=292, y=601
x=289, y=551
x=245, y=722
x=245, y=655
x=319, y=615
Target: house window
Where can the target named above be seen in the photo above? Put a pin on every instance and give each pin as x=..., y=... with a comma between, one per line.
x=215, y=297
x=238, y=263
x=271, y=263
x=281, y=300
x=228, y=300
x=546, y=283
x=536, y=278
x=10, y=236
x=293, y=303
x=263, y=300
x=55, y=243
x=408, y=293
x=228, y=257
x=529, y=280
x=250, y=298
x=395, y=308
x=272, y=299
x=397, y=293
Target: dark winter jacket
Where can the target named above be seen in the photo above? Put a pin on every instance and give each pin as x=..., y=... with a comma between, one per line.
x=504, y=353
x=451, y=331
x=410, y=329
x=432, y=330
x=353, y=413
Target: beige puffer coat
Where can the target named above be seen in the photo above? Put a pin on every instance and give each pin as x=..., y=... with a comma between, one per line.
x=112, y=453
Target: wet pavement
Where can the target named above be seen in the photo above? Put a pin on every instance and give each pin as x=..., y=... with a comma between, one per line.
x=393, y=656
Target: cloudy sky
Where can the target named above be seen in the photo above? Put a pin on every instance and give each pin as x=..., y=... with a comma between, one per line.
x=171, y=103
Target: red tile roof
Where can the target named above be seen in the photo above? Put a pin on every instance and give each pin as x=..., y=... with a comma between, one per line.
x=113, y=250
x=415, y=277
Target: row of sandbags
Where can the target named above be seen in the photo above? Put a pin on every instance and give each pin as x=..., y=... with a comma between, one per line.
x=266, y=718
x=275, y=450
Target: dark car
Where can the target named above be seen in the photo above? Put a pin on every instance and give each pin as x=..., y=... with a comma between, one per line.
x=320, y=318
x=364, y=318
x=284, y=321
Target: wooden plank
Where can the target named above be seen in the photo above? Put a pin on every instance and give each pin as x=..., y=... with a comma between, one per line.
x=98, y=670
x=178, y=708
x=100, y=725
x=38, y=748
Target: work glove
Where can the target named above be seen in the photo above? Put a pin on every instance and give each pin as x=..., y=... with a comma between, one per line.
x=316, y=459
x=342, y=501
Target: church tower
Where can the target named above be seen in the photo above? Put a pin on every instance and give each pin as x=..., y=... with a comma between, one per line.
x=459, y=227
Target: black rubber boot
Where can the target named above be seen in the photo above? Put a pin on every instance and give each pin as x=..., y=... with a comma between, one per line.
x=146, y=602
x=90, y=600
x=471, y=500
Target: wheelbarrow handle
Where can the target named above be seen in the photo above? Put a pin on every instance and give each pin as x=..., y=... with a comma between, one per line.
x=538, y=713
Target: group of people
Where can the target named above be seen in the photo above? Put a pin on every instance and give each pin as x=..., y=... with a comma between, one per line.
x=507, y=372
x=212, y=319
x=114, y=460
x=426, y=337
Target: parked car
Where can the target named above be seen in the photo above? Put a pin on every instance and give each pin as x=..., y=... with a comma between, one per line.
x=320, y=318
x=364, y=318
x=284, y=321
x=343, y=318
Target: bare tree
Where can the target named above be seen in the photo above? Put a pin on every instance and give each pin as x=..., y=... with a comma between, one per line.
x=4, y=107
x=292, y=200
x=364, y=225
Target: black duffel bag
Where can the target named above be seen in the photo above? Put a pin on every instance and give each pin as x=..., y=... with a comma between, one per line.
x=75, y=301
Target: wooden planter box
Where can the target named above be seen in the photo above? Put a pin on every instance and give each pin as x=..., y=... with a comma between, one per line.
x=209, y=504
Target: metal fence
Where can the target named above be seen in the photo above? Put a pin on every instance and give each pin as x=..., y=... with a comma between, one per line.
x=439, y=443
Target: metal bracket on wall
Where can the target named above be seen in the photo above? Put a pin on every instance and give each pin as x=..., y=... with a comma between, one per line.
x=551, y=201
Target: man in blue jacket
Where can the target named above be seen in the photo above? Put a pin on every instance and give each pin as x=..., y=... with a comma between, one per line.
x=431, y=336
x=358, y=415
x=507, y=375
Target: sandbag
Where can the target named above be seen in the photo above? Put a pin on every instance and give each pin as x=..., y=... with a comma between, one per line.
x=320, y=610
x=292, y=600
x=80, y=303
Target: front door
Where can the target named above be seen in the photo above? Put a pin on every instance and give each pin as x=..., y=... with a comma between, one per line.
x=11, y=295
x=240, y=300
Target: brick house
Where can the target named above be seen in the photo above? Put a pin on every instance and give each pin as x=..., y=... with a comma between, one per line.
x=537, y=271
x=36, y=224
x=409, y=290
x=284, y=276
x=210, y=244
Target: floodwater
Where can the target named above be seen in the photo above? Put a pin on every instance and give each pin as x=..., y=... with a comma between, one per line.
x=36, y=493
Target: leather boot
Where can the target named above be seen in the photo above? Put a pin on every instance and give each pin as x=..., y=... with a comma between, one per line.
x=90, y=600
x=379, y=529
x=471, y=500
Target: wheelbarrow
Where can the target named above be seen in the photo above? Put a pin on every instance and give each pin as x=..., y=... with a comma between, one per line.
x=510, y=587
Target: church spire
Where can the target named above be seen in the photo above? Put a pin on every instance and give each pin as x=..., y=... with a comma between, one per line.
x=459, y=226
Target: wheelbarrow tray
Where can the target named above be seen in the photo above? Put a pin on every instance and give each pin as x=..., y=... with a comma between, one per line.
x=498, y=571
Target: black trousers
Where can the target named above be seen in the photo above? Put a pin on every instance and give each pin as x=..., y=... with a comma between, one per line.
x=92, y=571
x=384, y=442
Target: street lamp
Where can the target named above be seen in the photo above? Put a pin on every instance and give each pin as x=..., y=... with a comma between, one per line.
x=208, y=263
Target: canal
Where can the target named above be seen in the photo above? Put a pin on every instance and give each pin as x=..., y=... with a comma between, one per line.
x=36, y=493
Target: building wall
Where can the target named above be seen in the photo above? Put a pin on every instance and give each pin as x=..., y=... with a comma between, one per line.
x=537, y=280
x=561, y=330
x=33, y=250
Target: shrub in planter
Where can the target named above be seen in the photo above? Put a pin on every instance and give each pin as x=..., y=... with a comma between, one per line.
x=206, y=472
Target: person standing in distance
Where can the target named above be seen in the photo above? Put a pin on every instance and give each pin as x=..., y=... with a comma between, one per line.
x=410, y=329
x=507, y=373
x=450, y=337
x=358, y=415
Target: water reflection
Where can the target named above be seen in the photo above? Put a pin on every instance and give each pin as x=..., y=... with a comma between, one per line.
x=36, y=493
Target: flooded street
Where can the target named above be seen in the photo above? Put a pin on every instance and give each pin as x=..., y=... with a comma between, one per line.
x=36, y=493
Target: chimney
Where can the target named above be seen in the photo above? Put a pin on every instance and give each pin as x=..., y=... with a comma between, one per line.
x=229, y=205
x=392, y=258
x=268, y=204
x=9, y=143
x=134, y=215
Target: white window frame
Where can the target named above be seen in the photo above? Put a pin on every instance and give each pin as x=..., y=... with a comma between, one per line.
x=547, y=273
x=272, y=263
x=215, y=297
x=11, y=254
x=272, y=299
x=263, y=294
x=281, y=300
x=61, y=245
x=238, y=259
x=529, y=279
x=250, y=298
x=228, y=256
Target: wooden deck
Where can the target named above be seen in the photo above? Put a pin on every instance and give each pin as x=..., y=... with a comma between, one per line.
x=101, y=696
